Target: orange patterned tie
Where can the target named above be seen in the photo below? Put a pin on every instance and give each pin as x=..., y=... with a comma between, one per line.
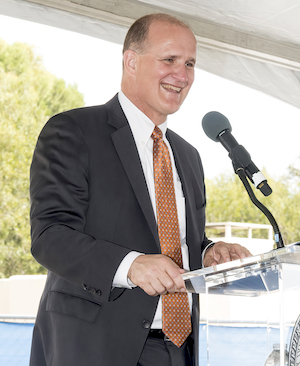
x=175, y=307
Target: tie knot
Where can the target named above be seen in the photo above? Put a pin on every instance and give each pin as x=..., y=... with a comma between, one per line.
x=157, y=134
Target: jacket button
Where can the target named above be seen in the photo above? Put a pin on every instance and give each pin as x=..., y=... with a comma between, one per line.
x=146, y=324
x=98, y=292
x=86, y=287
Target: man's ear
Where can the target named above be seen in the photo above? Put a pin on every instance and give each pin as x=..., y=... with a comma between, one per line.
x=129, y=60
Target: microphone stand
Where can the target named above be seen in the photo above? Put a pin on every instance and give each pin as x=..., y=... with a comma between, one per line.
x=243, y=177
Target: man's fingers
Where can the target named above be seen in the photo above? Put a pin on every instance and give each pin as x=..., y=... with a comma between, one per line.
x=175, y=282
x=224, y=252
x=156, y=274
x=240, y=251
x=154, y=289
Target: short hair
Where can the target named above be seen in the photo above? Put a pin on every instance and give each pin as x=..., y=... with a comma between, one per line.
x=137, y=34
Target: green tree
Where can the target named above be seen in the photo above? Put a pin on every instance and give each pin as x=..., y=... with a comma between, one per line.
x=29, y=95
x=227, y=200
x=294, y=174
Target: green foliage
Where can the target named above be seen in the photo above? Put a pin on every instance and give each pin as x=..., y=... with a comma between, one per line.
x=294, y=173
x=29, y=95
x=227, y=200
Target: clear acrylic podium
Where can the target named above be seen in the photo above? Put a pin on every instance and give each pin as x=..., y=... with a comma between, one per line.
x=250, y=305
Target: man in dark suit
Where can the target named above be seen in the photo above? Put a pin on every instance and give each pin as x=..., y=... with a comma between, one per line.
x=93, y=215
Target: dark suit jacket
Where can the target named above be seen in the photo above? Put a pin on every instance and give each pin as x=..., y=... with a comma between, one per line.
x=90, y=207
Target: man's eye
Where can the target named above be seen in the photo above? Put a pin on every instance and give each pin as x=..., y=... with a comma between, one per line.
x=169, y=60
x=190, y=64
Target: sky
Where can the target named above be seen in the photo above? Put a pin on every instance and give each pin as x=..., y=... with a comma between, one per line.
x=266, y=127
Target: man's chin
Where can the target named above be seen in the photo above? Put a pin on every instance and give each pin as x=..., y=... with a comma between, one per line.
x=173, y=109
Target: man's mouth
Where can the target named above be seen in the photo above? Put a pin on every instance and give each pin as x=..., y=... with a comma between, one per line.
x=171, y=87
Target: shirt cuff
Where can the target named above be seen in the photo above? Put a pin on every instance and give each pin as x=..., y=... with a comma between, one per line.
x=120, y=278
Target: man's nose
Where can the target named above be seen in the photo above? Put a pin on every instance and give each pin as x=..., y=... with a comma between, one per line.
x=180, y=73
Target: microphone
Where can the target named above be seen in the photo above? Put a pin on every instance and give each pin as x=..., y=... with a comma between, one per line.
x=217, y=127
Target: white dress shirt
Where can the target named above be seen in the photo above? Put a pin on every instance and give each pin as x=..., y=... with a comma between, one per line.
x=142, y=128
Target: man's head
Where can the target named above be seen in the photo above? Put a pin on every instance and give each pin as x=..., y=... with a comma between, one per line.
x=159, y=56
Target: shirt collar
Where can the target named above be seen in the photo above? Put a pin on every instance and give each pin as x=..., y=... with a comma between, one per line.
x=141, y=126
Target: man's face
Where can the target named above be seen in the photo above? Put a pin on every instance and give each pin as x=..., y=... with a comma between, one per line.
x=164, y=70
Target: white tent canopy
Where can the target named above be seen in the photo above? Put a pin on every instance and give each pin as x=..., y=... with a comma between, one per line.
x=255, y=43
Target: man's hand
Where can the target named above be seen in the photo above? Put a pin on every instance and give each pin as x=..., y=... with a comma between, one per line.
x=223, y=252
x=156, y=274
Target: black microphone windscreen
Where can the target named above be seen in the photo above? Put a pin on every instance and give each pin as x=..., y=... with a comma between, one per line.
x=214, y=123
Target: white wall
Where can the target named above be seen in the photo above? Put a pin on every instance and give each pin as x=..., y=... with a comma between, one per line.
x=20, y=295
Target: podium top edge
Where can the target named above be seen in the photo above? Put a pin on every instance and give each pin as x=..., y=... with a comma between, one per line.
x=288, y=254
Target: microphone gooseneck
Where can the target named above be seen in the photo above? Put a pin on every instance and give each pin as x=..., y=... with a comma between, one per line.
x=217, y=127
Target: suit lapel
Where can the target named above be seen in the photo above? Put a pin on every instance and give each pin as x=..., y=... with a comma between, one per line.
x=125, y=146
